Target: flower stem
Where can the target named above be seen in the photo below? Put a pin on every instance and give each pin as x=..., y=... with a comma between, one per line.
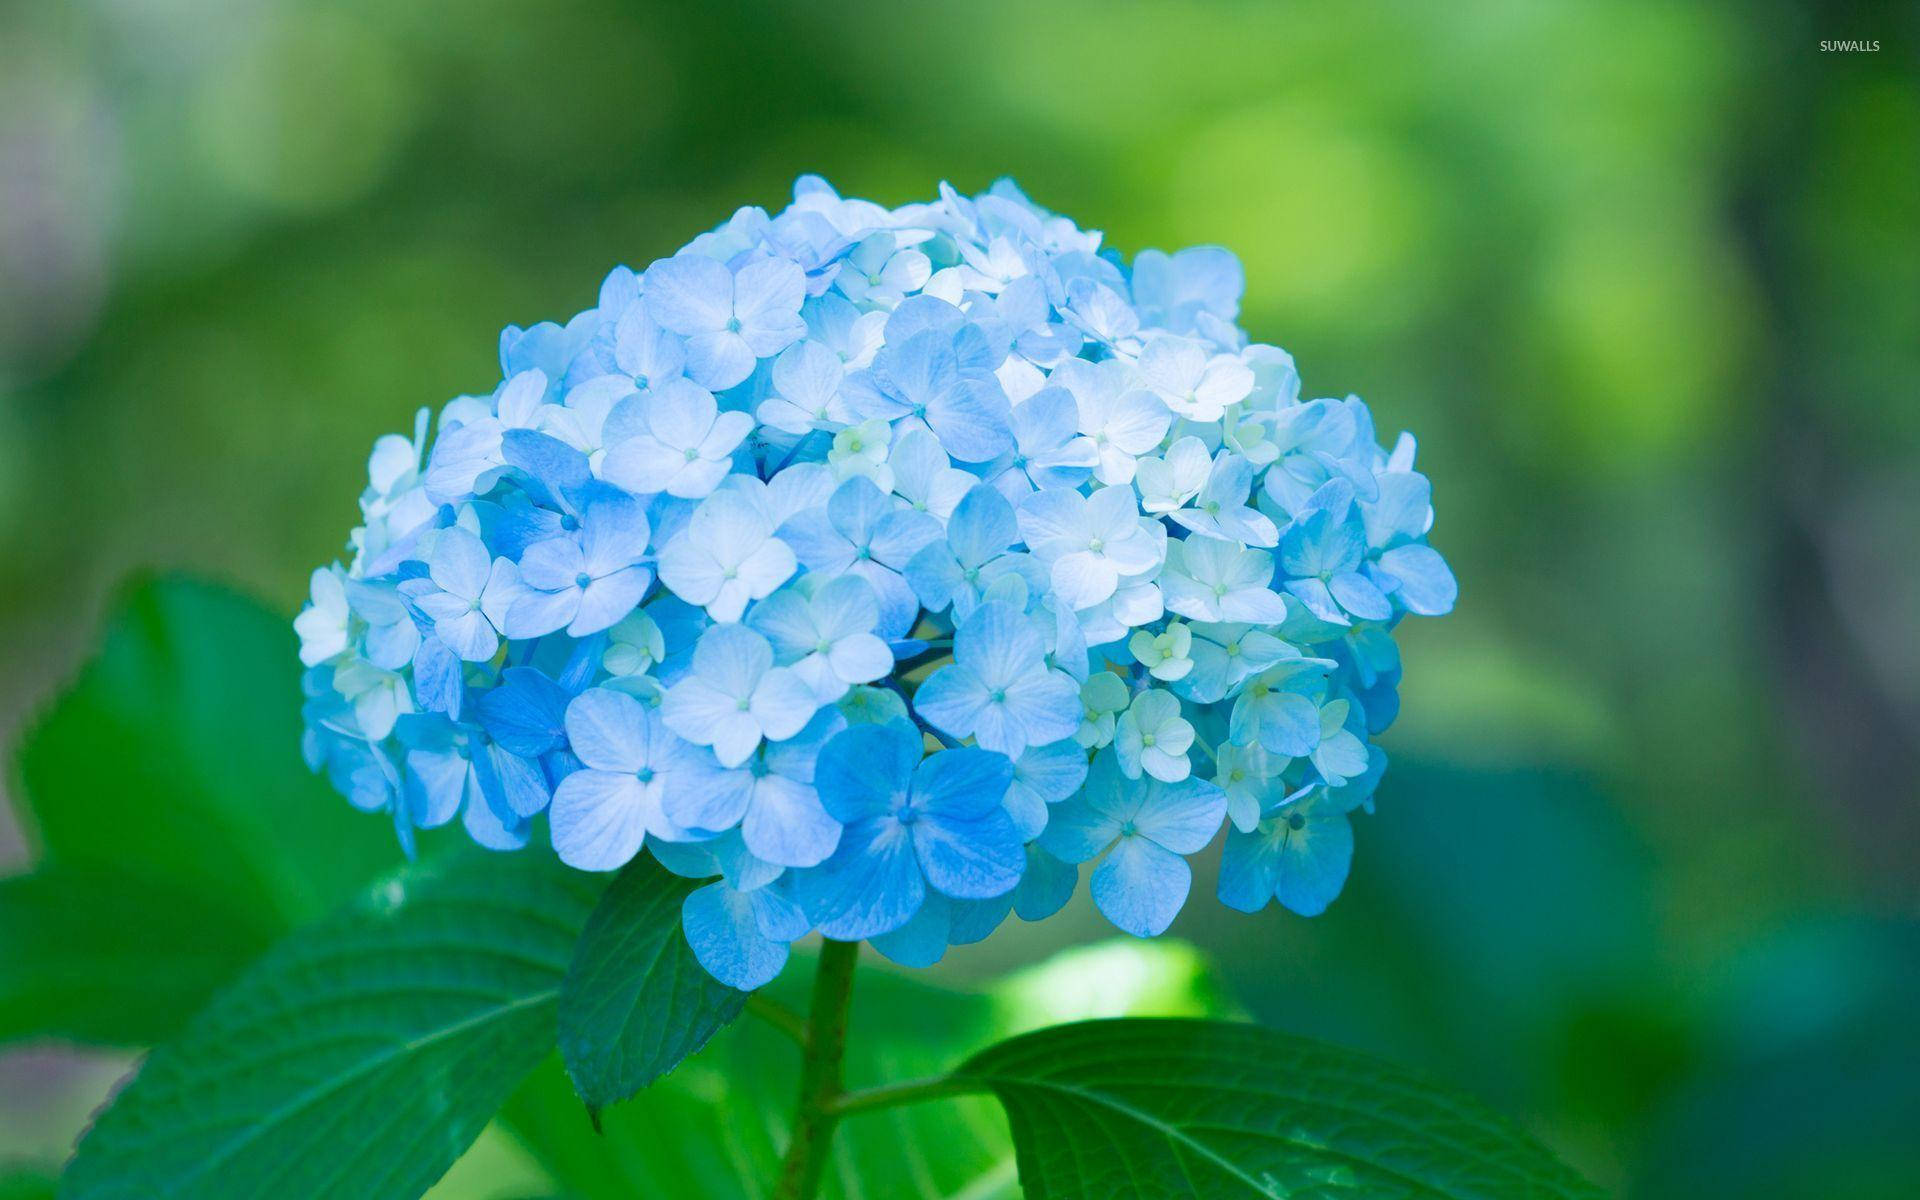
x=779, y=1016
x=909, y=1091
x=821, y=1082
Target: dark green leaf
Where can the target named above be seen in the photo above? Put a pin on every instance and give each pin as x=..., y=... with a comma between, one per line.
x=1209, y=1109
x=111, y=958
x=361, y=1056
x=177, y=754
x=715, y=1128
x=635, y=1001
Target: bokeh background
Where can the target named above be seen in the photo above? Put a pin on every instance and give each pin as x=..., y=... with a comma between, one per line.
x=1644, y=278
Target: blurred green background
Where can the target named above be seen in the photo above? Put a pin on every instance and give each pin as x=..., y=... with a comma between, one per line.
x=1644, y=278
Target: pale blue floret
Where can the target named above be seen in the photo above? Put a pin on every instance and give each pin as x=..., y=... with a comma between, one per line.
x=729, y=318
x=770, y=798
x=678, y=441
x=449, y=597
x=1142, y=883
x=998, y=689
x=1087, y=543
x=1049, y=451
x=943, y=381
x=584, y=582
x=605, y=811
x=1220, y=508
x=806, y=391
x=1152, y=737
x=924, y=475
x=734, y=696
x=728, y=557
x=957, y=570
x=863, y=532
x=1209, y=579
x=826, y=636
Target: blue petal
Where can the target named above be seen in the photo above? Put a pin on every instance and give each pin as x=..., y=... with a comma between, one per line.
x=1427, y=586
x=922, y=941
x=872, y=884
x=526, y=714
x=961, y=784
x=1045, y=886
x=727, y=940
x=1141, y=886
x=866, y=770
x=1313, y=864
x=786, y=824
x=437, y=679
x=1248, y=866
x=969, y=858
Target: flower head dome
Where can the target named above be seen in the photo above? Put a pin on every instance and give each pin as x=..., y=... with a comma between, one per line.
x=885, y=567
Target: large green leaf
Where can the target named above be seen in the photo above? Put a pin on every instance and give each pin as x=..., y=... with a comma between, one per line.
x=1214, y=1110
x=111, y=958
x=361, y=1056
x=635, y=1001
x=180, y=831
x=715, y=1128
x=178, y=750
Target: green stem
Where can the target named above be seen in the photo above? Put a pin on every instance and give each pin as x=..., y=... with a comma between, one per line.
x=779, y=1016
x=821, y=1081
x=910, y=1091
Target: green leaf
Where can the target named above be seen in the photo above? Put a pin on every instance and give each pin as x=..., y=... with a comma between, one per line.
x=177, y=753
x=635, y=1001
x=716, y=1127
x=1210, y=1109
x=111, y=958
x=361, y=1056
x=26, y=1183
x=181, y=832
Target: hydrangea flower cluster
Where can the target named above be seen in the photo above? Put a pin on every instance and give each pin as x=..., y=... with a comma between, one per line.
x=884, y=567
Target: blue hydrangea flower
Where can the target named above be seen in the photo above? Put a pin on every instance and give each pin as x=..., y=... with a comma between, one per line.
x=1141, y=885
x=729, y=318
x=449, y=596
x=806, y=391
x=1049, y=451
x=1088, y=543
x=1209, y=579
x=910, y=824
x=943, y=379
x=1152, y=737
x=1300, y=856
x=887, y=564
x=863, y=532
x=741, y=935
x=678, y=442
x=826, y=637
x=734, y=696
x=998, y=689
x=588, y=581
x=771, y=799
x=605, y=811
x=728, y=557
x=956, y=571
